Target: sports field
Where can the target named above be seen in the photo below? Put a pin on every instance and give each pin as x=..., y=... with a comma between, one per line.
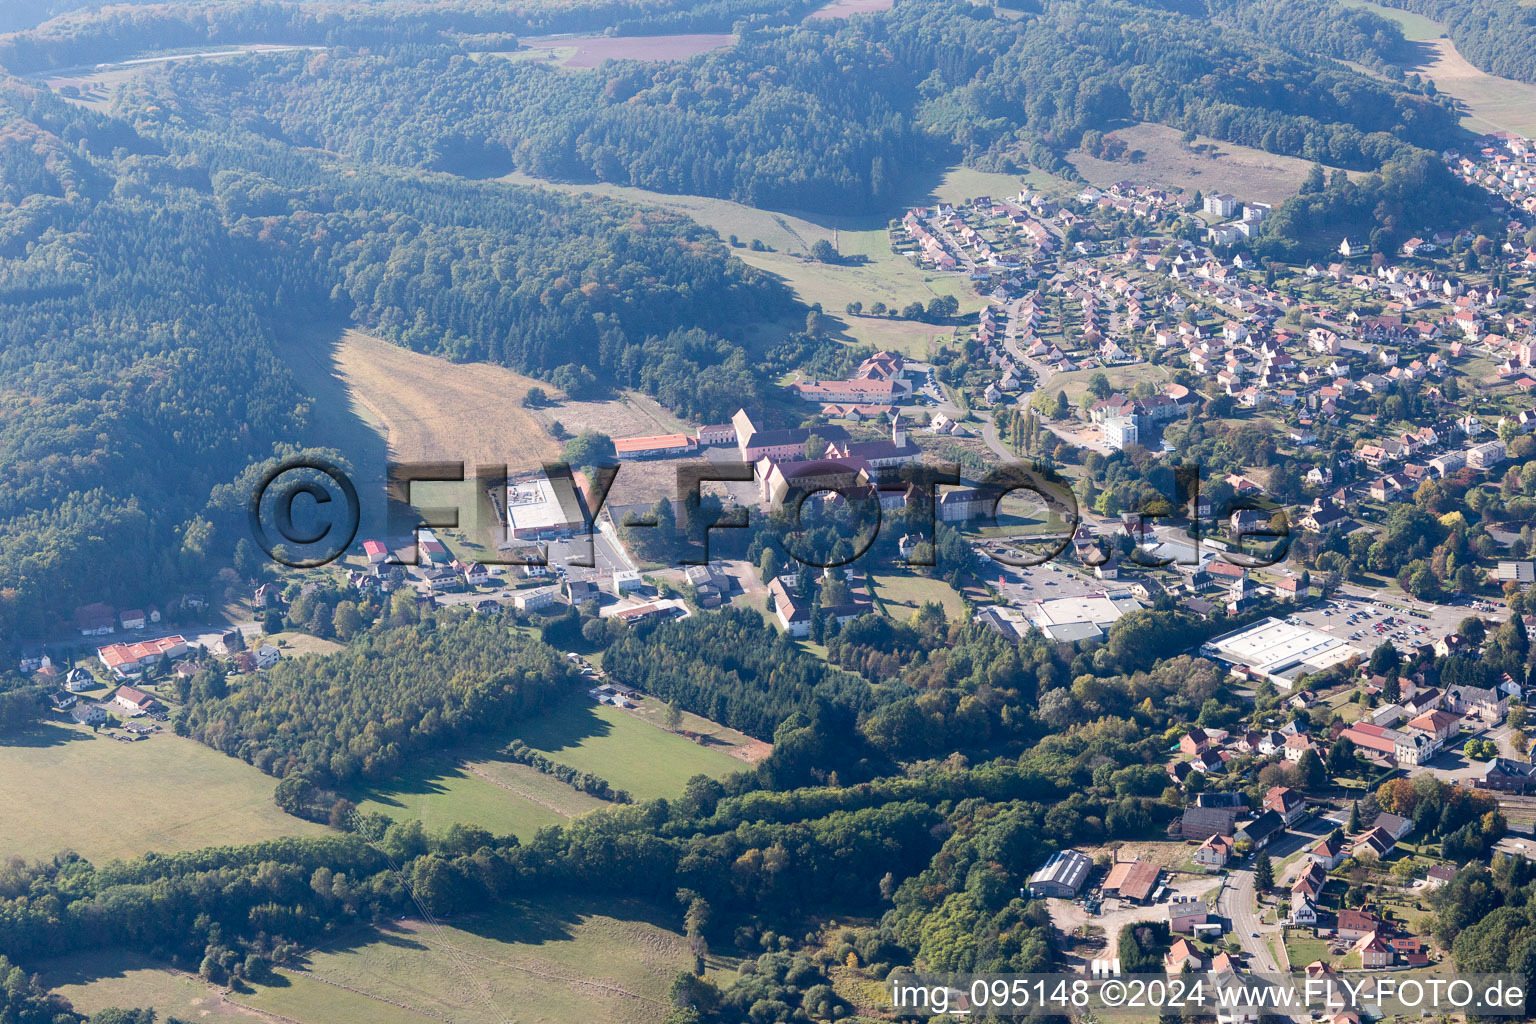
x=535, y=962
x=65, y=788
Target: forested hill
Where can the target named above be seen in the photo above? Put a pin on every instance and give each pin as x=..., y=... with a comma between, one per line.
x=88, y=32
x=144, y=277
x=828, y=116
x=1498, y=36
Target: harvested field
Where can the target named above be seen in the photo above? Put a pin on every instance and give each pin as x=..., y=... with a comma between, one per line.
x=844, y=8
x=1210, y=166
x=590, y=51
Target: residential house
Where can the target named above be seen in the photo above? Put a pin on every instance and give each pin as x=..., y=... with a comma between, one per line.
x=1286, y=802
x=1184, y=955
x=1327, y=854
x=1214, y=853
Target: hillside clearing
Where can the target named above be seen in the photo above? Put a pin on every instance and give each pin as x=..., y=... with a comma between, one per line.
x=590, y=51
x=532, y=962
x=1215, y=166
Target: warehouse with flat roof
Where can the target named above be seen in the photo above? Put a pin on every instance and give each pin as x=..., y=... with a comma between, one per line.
x=540, y=508
x=1279, y=651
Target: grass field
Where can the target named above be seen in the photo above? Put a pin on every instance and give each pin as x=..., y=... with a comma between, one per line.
x=534, y=962
x=846, y=8
x=903, y=592
x=1075, y=383
x=1415, y=27
x=96, y=980
x=67, y=789
x=1488, y=102
x=376, y=401
x=630, y=749
x=430, y=409
x=590, y=51
x=630, y=753
x=1249, y=174
x=478, y=789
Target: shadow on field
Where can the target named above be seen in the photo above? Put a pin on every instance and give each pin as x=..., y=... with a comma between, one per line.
x=44, y=735
x=567, y=724
x=537, y=923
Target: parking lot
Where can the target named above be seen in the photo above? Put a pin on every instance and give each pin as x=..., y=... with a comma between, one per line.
x=1042, y=582
x=1368, y=624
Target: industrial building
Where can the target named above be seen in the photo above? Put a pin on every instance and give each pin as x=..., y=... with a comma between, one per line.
x=1070, y=619
x=1062, y=876
x=1279, y=651
x=540, y=508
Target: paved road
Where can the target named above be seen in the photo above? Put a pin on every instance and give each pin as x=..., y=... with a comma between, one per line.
x=1238, y=901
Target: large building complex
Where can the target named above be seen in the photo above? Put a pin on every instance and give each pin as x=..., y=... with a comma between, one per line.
x=1279, y=651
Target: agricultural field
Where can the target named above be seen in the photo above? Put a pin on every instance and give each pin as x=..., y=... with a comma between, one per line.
x=1490, y=103
x=1415, y=27
x=65, y=789
x=430, y=409
x=376, y=402
x=1207, y=166
x=590, y=51
x=531, y=963
x=623, y=748
x=847, y=8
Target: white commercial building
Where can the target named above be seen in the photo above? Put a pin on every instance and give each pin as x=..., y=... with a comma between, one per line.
x=1279, y=651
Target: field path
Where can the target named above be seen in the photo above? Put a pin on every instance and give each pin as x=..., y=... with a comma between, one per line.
x=481, y=773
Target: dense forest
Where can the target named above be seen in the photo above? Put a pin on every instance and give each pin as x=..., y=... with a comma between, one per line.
x=146, y=276
x=830, y=116
x=360, y=714
x=88, y=32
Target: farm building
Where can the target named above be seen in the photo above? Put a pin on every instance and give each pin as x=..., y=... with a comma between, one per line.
x=1132, y=880
x=654, y=447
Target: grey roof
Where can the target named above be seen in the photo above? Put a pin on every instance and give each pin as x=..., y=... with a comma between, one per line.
x=1068, y=868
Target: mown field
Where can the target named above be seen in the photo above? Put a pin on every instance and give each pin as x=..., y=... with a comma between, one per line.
x=1209, y=166
x=590, y=51
x=1490, y=103
x=629, y=749
x=630, y=753
x=65, y=788
x=537, y=962
x=903, y=591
